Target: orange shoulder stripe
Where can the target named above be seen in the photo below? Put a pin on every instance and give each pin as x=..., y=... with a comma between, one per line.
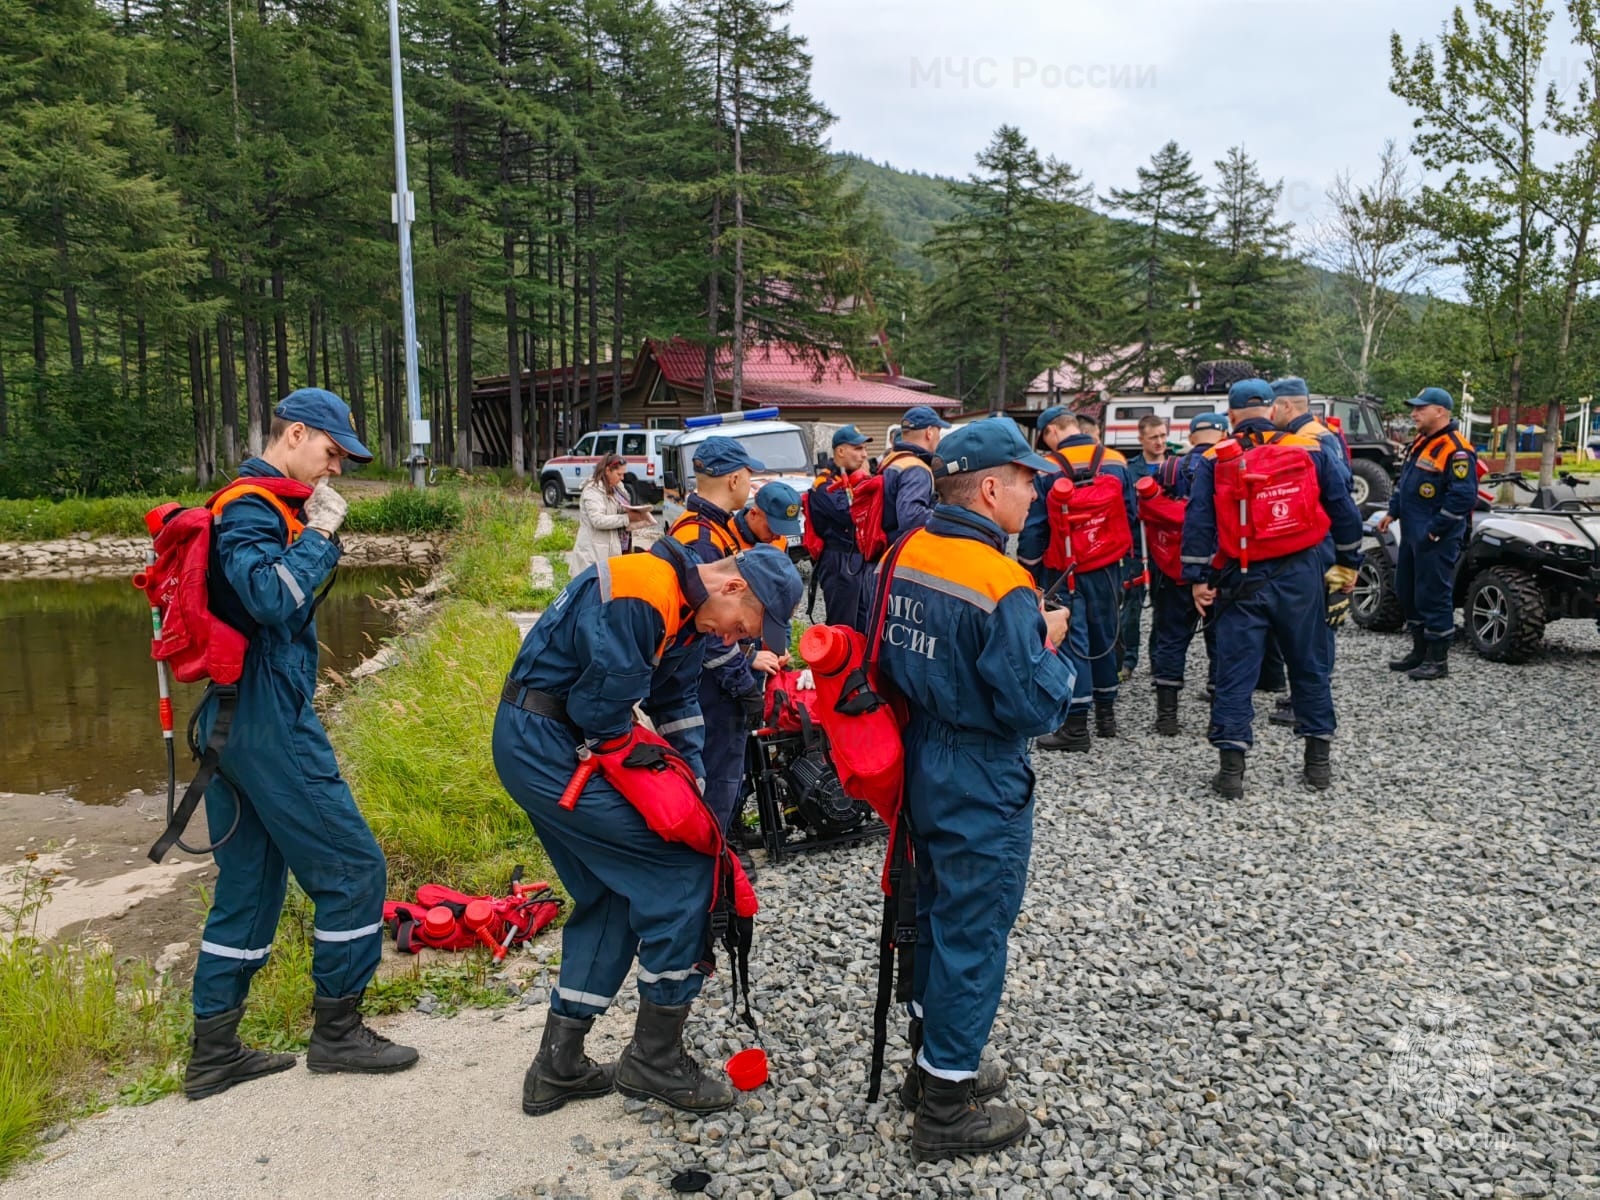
x=961, y=567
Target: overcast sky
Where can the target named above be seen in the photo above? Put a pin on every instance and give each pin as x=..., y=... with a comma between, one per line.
x=1302, y=84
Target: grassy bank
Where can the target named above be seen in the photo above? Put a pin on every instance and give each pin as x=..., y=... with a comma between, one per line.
x=398, y=511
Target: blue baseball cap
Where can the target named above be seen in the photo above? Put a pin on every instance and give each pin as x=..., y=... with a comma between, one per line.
x=718, y=456
x=1290, y=385
x=923, y=417
x=776, y=584
x=849, y=436
x=1429, y=396
x=1211, y=420
x=1050, y=414
x=983, y=445
x=321, y=409
x=1251, y=393
x=781, y=503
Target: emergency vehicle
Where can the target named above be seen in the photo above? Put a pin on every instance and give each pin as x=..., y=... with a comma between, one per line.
x=778, y=445
x=562, y=478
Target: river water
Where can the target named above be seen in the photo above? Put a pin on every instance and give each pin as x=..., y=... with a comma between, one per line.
x=78, y=688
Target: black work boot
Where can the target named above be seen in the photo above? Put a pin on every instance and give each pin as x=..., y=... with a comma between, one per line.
x=1318, y=768
x=655, y=1065
x=1437, y=663
x=341, y=1041
x=217, y=1060
x=952, y=1122
x=562, y=1071
x=1282, y=711
x=1072, y=737
x=989, y=1082
x=1413, y=660
x=1105, y=718
x=1167, y=711
x=1228, y=782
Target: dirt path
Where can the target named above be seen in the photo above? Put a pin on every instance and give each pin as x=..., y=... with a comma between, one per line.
x=451, y=1127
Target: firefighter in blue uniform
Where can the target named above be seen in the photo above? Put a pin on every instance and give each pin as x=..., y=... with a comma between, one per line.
x=908, y=498
x=966, y=643
x=733, y=679
x=1152, y=442
x=1173, y=616
x=1285, y=596
x=278, y=776
x=629, y=630
x=841, y=572
x=1097, y=602
x=1433, y=502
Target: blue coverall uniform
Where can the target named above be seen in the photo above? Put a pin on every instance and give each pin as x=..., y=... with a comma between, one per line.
x=1097, y=603
x=278, y=774
x=908, y=499
x=1433, y=501
x=1285, y=596
x=621, y=633
x=841, y=572
x=964, y=642
x=1133, y=601
x=1173, y=617
x=727, y=681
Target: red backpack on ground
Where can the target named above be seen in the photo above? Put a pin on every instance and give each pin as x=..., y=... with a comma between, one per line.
x=1162, y=517
x=866, y=504
x=1275, y=486
x=1097, y=522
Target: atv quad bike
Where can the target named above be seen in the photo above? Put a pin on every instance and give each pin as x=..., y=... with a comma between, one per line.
x=1523, y=567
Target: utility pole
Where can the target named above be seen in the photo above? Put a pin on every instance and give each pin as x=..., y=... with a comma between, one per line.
x=403, y=210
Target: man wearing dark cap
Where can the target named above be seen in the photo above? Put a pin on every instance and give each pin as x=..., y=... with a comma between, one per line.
x=1261, y=586
x=628, y=630
x=1433, y=501
x=733, y=678
x=967, y=645
x=907, y=481
x=278, y=777
x=840, y=571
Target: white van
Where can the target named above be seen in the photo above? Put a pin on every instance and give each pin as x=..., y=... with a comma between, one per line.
x=562, y=478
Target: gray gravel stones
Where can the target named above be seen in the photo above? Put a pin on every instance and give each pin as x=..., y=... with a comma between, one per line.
x=1388, y=989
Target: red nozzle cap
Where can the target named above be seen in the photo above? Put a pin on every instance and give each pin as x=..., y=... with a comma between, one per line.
x=156, y=519
x=1228, y=449
x=479, y=913
x=1147, y=486
x=439, y=923
x=1061, y=490
x=824, y=648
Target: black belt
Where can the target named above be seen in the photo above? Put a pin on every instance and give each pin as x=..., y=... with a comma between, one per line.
x=532, y=700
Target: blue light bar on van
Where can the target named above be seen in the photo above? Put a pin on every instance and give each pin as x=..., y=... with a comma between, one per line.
x=619, y=425
x=754, y=414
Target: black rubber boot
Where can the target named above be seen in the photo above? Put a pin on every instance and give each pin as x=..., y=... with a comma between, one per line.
x=1105, y=719
x=217, y=1060
x=1167, y=711
x=341, y=1041
x=1413, y=660
x=562, y=1071
x=1282, y=711
x=1437, y=664
x=952, y=1122
x=1318, y=768
x=1228, y=782
x=989, y=1082
x=655, y=1065
x=1072, y=737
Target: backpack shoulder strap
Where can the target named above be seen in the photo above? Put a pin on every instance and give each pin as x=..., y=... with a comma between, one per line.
x=880, y=601
x=244, y=487
x=1096, y=459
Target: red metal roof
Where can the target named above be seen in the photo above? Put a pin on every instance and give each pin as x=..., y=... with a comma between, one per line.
x=776, y=373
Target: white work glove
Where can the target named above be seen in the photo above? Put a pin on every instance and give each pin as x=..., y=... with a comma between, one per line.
x=804, y=682
x=325, y=509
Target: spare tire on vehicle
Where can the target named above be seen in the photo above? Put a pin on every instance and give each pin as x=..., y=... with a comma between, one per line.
x=1218, y=375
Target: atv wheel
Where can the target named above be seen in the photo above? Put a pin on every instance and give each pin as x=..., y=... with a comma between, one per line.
x=1375, y=605
x=1369, y=482
x=1505, y=614
x=553, y=493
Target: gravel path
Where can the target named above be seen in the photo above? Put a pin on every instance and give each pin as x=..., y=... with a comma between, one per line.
x=1390, y=989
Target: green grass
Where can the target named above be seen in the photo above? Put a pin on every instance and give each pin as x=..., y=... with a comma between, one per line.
x=489, y=559
x=403, y=510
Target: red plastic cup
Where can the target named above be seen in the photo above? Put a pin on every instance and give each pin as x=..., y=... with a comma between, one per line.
x=747, y=1070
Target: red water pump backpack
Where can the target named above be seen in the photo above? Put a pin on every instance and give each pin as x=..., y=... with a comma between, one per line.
x=1268, y=501
x=867, y=503
x=445, y=919
x=1092, y=530
x=1162, y=517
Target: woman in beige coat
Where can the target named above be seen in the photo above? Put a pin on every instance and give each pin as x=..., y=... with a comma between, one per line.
x=605, y=522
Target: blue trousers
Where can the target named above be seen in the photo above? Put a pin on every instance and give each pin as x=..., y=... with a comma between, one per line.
x=1132, y=620
x=1285, y=599
x=726, y=737
x=296, y=813
x=1424, y=580
x=1099, y=600
x=632, y=892
x=1077, y=635
x=845, y=581
x=970, y=801
x=1173, y=621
